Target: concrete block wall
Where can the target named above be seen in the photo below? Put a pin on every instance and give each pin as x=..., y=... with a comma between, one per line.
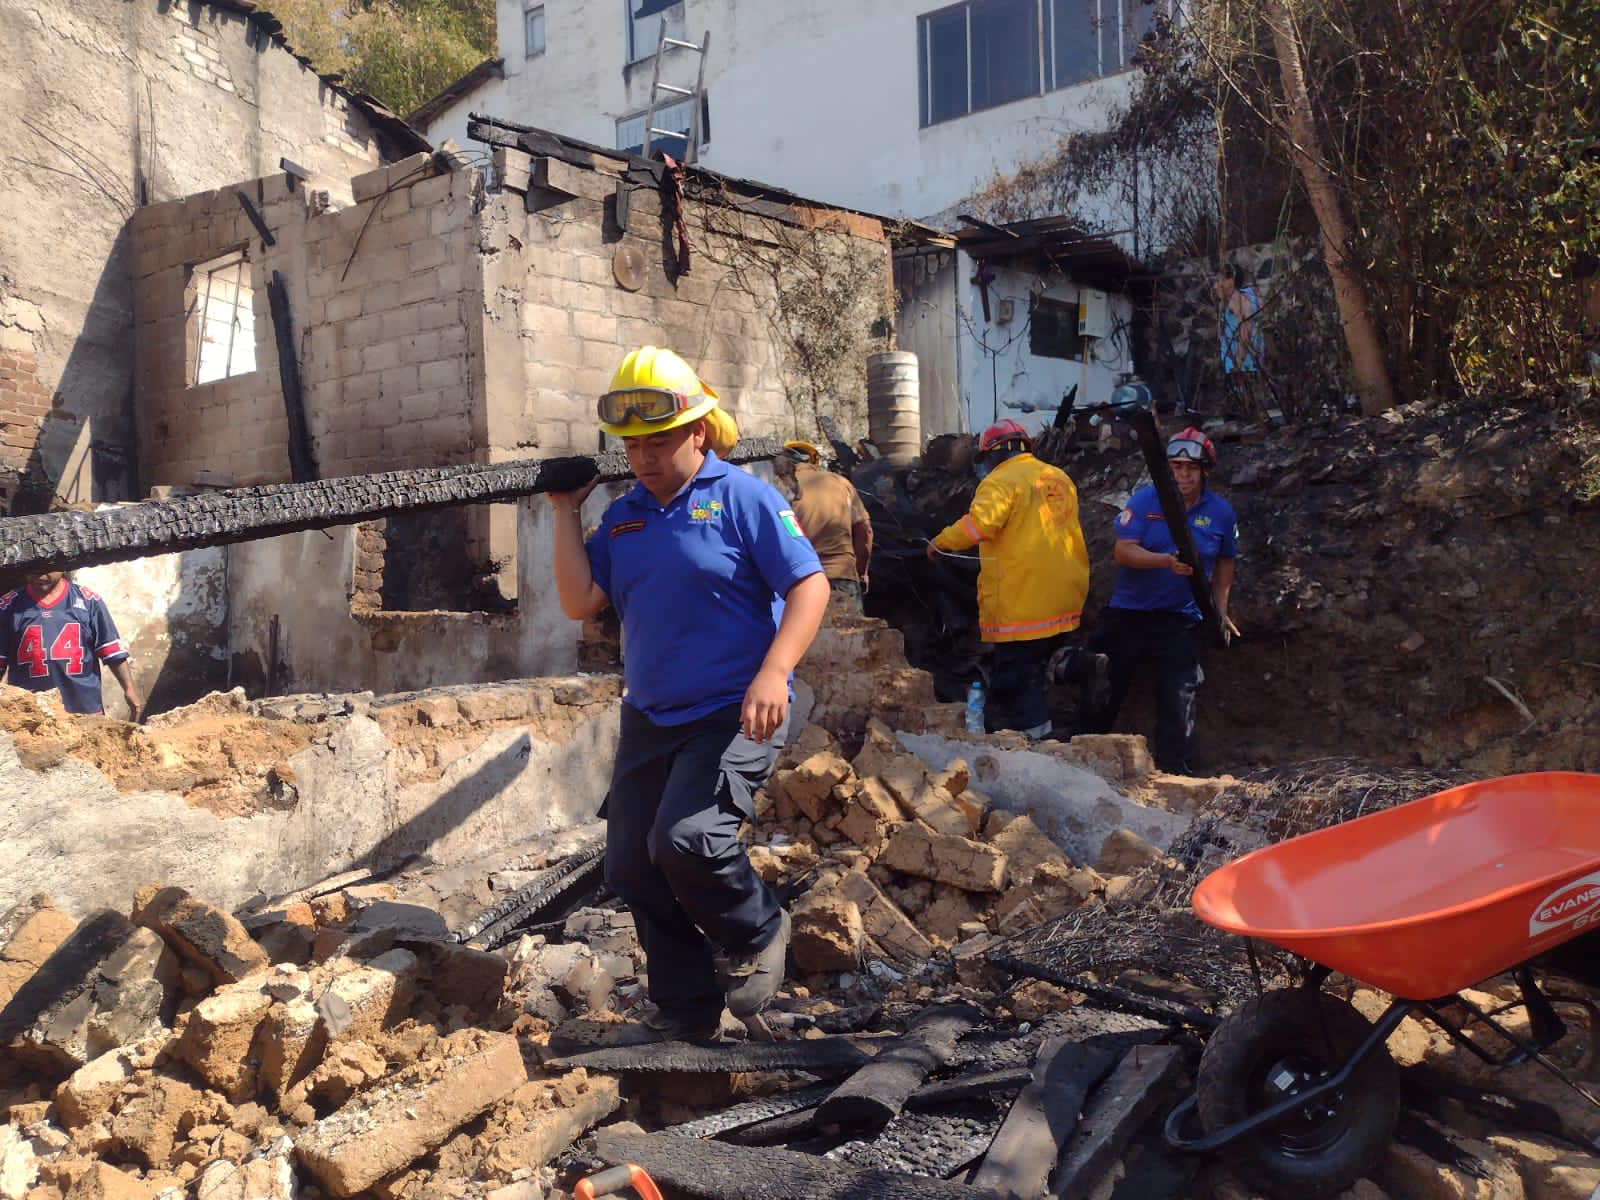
x=384, y=299
x=115, y=106
x=558, y=322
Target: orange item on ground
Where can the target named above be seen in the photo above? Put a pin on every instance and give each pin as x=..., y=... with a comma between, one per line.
x=1430, y=897
x=613, y=1180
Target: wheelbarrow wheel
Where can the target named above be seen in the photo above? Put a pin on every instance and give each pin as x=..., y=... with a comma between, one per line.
x=1275, y=1046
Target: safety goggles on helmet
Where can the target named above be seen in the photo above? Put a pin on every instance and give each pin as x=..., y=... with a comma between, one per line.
x=1188, y=450
x=646, y=404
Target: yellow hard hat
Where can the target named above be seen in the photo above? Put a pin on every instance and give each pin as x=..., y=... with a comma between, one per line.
x=722, y=431
x=805, y=450
x=653, y=391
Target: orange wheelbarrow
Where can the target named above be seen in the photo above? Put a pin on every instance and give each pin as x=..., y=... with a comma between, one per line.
x=1420, y=901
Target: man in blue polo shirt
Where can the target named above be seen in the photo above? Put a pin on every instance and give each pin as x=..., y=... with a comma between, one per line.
x=1152, y=613
x=55, y=634
x=719, y=594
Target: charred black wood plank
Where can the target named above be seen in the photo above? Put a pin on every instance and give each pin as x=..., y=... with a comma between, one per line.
x=522, y=905
x=302, y=462
x=254, y=214
x=1114, y=1114
x=967, y=1087
x=751, y=1112
x=1042, y=1118
x=833, y=1055
x=720, y=1172
x=874, y=1095
x=995, y=1050
x=62, y=541
x=934, y=1145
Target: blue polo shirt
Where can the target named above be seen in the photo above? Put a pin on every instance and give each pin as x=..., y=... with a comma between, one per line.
x=699, y=585
x=1216, y=535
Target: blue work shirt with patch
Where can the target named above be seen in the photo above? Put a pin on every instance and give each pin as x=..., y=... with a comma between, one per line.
x=699, y=585
x=1216, y=535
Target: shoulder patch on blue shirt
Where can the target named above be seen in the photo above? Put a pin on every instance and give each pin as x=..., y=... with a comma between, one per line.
x=790, y=523
x=622, y=527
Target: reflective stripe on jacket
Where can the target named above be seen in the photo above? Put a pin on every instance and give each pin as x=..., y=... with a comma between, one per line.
x=1035, y=566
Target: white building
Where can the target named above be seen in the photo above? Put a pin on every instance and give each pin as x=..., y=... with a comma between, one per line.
x=897, y=107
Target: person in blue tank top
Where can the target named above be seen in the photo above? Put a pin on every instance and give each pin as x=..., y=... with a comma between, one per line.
x=720, y=594
x=55, y=634
x=1152, y=614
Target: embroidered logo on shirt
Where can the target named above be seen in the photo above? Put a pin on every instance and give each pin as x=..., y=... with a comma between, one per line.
x=710, y=510
x=1125, y=517
x=1202, y=522
x=789, y=523
x=622, y=527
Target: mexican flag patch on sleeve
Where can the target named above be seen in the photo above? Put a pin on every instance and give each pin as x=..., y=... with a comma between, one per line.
x=789, y=523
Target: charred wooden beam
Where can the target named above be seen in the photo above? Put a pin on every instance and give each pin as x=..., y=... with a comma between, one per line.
x=719, y=1172
x=1042, y=1118
x=62, y=541
x=874, y=1095
x=1141, y=1081
x=302, y=461
x=820, y=1056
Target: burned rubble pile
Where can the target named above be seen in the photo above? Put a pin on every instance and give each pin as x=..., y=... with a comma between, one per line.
x=349, y=1040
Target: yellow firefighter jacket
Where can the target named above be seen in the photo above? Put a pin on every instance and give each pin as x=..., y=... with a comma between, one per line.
x=1035, y=567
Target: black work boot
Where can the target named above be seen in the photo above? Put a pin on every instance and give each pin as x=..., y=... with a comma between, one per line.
x=753, y=979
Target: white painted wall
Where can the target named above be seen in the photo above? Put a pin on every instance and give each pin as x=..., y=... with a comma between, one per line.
x=998, y=374
x=820, y=99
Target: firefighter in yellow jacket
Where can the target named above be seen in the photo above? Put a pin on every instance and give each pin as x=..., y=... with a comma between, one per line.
x=1033, y=575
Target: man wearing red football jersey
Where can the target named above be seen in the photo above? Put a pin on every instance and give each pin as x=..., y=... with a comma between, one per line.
x=55, y=634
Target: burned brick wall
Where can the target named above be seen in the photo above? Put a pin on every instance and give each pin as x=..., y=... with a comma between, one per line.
x=113, y=107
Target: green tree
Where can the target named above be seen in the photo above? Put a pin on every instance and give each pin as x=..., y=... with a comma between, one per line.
x=400, y=51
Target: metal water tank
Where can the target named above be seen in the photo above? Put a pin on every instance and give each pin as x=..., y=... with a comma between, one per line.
x=894, y=405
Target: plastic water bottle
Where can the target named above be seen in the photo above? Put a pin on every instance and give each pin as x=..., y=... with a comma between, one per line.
x=975, y=707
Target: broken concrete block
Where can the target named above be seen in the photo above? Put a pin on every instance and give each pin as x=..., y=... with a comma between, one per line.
x=362, y=999
x=883, y=921
x=1184, y=793
x=29, y=934
x=151, y=1124
x=1122, y=759
x=457, y=974
x=954, y=779
x=1034, y=999
x=201, y=933
x=943, y=918
x=807, y=787
x=104, y=1182
x=266, y=1173
x=958, y=861
x=919, y=799
x=545, y=1116
x=1124, y=852
x=218, y=1035
x=105, y=985
x=384, y=1130
x=827, y=932
x=1054, y=891
x=88, y=1092
x=1026, y=846
x=1550, y=1172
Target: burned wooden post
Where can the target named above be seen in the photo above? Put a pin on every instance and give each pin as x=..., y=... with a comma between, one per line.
x=1141, y=1081
x=874, y=1095
x=1042, y=1118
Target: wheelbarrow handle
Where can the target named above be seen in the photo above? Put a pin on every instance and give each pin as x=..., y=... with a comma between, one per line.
x=615, y=1179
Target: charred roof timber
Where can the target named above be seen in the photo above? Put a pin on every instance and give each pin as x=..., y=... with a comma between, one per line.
x=63, y=541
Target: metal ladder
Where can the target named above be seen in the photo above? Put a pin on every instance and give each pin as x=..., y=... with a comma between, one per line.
x=694, y=95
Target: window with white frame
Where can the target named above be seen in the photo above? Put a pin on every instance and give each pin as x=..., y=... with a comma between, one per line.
x=982, y=53
x=533, y=30
x=222, y=318
x=645, y=19
x=675, y=117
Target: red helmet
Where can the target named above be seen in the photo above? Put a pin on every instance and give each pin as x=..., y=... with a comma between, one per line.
x=1190, y=445
x=1002, y=433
